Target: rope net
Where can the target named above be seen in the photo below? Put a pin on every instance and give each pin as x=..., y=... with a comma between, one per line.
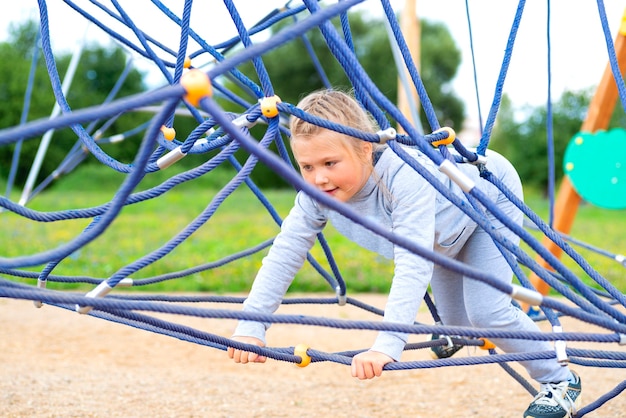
x=196, y=92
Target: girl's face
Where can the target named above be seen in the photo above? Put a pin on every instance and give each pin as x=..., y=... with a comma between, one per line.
x=333, y=166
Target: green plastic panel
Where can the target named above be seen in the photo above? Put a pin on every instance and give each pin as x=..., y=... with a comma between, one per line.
x=596, y=166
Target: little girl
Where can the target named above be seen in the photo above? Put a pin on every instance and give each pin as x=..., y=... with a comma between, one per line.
x=378, y=184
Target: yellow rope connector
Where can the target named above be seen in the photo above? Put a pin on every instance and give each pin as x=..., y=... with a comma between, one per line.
x=187, y=63
x=300, y=350
x=487, y=345
x=197, y=84
x=269, y=106
x=168, y=133
x=446, y=141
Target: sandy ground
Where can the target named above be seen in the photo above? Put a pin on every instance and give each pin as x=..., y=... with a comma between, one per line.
x=57, y=363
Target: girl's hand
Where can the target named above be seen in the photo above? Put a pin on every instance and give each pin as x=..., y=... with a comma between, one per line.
x=241, y=356
x=369, y=364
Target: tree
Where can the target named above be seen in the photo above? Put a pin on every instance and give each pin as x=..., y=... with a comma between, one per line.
x=98, y=70
x=293, y=74
x=525, y=143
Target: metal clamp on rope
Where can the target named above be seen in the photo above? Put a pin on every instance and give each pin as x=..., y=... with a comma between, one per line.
x=386, y=135
x=531, y=297
x=243, y=122
x=560, y=347
x=461, y=179
x=480, y=159
x=341, y=299
x=622, y=339
x=41, y=284
x=170, y=158
x=101, y=290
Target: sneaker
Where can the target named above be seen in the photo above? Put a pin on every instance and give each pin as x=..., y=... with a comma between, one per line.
x=556, y=400
x=443, y=351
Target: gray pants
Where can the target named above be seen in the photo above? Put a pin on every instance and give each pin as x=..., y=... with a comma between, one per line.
x=462, y=301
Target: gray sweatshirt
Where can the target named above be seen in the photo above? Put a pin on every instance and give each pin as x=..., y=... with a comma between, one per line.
x=402, y=201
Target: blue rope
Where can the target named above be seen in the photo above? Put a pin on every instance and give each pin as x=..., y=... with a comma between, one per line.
x=591, y=306
x=491, y=118
x=24, y=115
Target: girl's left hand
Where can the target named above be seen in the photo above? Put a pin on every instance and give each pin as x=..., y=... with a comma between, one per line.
x=369, y=364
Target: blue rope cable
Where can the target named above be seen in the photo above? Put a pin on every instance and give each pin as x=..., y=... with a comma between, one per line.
x=602, y=399
x=319, y=70
x=617, y=75
x=143, y=41
x=491, y=118
x=17, y=291
x=239, y=76
x=268, y=21
x=410, y=66
x=515, y=375
x=182, y=51
x=132, y=199
x=146, y=281
x=370, y=96
x=43, y=276
x=585, y=245
x=549, y=124
x=247, y=42
x=24, y=115
x=471, y=42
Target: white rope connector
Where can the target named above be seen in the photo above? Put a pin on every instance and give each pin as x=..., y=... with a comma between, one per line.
x=532, y=297
x=622, y=339
x=620, y=259
x=41, y=284
x=341, y=299
x=170, y=158
x=116, y=138
x=560, y=347
x=386, y=135
x=99, y=291
x=452, y=171
x=481, y=159
x=126, y=282
x=243, y=122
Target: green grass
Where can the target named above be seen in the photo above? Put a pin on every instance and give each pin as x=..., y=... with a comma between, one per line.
x=239, y=222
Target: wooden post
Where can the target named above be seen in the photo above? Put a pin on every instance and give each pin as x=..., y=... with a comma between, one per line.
x=598, y=117
x=409, y=24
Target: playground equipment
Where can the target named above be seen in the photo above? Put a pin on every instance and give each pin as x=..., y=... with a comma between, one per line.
x=195, y=90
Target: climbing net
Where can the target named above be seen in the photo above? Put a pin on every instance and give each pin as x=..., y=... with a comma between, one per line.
x=221, y=134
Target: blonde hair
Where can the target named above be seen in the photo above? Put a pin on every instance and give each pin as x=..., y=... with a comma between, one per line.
x=335, y=106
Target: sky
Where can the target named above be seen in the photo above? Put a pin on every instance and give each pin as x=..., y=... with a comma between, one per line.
x=578, y=49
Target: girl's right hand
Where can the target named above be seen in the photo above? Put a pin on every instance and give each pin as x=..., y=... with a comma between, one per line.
x=241, y=356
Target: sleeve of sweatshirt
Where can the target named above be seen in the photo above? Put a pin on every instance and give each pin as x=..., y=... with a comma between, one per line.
x=413, y=216
x=286, y=256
